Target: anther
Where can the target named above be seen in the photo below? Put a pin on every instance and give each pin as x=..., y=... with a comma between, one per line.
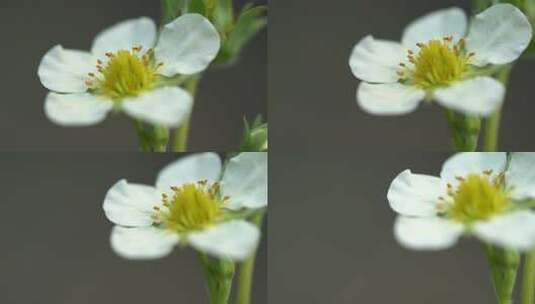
x=487, y=172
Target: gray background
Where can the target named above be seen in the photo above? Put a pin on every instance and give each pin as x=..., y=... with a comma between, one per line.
x=55, y=237
x=313, y=91
x=31, y=28
x=331, y=239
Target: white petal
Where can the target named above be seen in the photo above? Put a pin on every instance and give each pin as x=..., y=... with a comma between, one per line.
x=236, y=240
x=168, y=106
x=245, y=181
x=131, y=204
x=187, y=45
x=521, y=175
x=76, y=110
x=125, y=35
x=515, y=230
x=415, y=194
x=142, y=243
x=478, y=96
x=436, y=25
x=463, y=164
x=376, y=60
x=66, y=71
x=388, y=99
x=498, y=35
x=190, y=169
x=427, y=233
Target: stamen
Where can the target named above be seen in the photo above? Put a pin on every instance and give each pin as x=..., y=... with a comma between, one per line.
x=192, y=207
x=438, y=62
x=125, y=73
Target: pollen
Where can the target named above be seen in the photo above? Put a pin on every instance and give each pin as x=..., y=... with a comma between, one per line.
x=437, y=63
x=478, y=197
x=125, y=73
x=191, y=207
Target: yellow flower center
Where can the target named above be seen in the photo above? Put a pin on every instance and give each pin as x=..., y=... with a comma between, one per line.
x=125, y=74
x=438, y=63
x=477, y=198
x=192, y=207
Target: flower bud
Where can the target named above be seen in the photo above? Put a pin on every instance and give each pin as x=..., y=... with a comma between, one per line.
x=255, y=136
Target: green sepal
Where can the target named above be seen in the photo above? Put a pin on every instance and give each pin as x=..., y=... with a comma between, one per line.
x=504, y=267
x=152, y=138
x=464, y=130
x=249, y=22
x=219, y=274
x=172, y=9
x=480, y=5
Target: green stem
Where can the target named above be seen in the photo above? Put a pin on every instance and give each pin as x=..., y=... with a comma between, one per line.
x=464, y=131
x=492, y=125
x=503, y=265
x=182, y=133
x=219, y=275
x=152, y=138
x=245, y=280
x=492, y=129
x=528, y=288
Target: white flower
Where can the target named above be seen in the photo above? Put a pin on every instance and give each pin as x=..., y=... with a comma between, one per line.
x=190, y=204
x=126, y=70
x=437, y=59
x=479, y=194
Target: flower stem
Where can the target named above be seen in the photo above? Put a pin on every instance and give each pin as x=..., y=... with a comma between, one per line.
x=504, y=265
x=245, y=280
x=152, y=138
x=492, y=128
x=182, y=133
x=464, y=130
x=492, y=125
x=219, y=275
x=528, y=288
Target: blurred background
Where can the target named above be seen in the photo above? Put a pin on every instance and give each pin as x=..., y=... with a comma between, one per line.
x=313, y=90
x=55, y=237
x=331, y=235
x=33, y=27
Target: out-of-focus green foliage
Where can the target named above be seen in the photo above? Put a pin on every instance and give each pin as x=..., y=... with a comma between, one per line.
x=236, y=28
